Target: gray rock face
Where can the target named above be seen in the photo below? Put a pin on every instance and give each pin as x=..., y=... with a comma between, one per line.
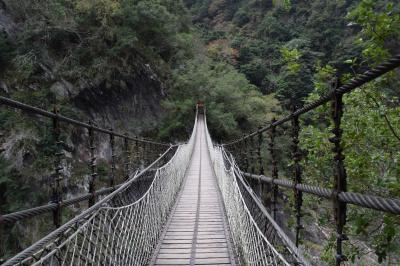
x=7, y=24
x=63, y=90
x=3, y=87
x=133, y=106
x=128, y=104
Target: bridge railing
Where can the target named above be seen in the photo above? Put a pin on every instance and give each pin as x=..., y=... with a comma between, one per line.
x=127, y=155
x=124, y=227
x=247, y=150
x=257, y=238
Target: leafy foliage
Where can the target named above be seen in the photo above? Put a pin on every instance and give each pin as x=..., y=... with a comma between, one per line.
x=266, y=32
x=254, y=54
x=98, y=36
x=379, y=30
x=371, y=150
x=371, y=138
x=295, y=49
x=233, y=104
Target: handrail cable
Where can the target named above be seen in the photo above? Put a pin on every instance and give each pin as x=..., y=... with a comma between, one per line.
x=31, y=109
x=357, y=82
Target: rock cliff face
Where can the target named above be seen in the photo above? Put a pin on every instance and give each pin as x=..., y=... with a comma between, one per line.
x=7, y=24
x=134, y=105
x=131, y=104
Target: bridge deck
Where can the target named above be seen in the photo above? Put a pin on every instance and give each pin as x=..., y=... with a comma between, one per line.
x=197, y=232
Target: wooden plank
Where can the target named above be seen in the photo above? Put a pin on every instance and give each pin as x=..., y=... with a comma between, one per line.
x=196, y=233
x=201, y=261
x=175, y=251
x=173, y=261
x=205, y=255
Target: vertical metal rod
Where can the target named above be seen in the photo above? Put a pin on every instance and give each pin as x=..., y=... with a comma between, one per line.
x=127, y=157
x=340, y=182
x=134, y=155
x=240, y=151
x=141, y=154
x=252, y=155
x=260, y=160
x=112, y=145
x=145, y=153
x=297, y=156
x=137, y=154
x=148, y=152
x=261, y=187
x=237, y=150
x=92, y=166
x=152, y=152
x=274, y=168
x=56, y=194
x=237, y=154
x=245, y=155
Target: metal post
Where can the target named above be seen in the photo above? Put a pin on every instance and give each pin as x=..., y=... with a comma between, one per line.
x=141, y=154
x=274, y=168
x=137, y=154
x=252, y=155
x=260, y=161
x=92, y=166
x=56, y=194
x=235, y=150
x=297, y=156
x=127, y=157
x=261, y=187
x=153, y=152
x=112, y=145
x=245, y=155
x=340, y=182
x=145, y=153
x=134, y=155
x=148, y=152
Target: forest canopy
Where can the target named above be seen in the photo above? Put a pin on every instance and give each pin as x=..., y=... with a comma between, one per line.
x=249, y=60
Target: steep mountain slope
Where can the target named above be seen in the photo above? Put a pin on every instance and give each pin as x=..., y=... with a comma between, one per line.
x=278, y=44
x=74, y=56
x=135, y=65
x=297, y=50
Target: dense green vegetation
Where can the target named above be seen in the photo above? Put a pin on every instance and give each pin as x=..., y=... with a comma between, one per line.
x=296, y=49
x=248, y=60
x=371, y=135
x=102, y=45
x=232, y=103
x=276, y=44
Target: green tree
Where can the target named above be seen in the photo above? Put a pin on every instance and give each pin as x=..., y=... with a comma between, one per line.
x=232, y=103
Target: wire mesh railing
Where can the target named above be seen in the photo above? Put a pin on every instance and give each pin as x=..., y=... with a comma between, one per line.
x=76, y=163
x=247, y=152
x=123, y=228
x=258, y=240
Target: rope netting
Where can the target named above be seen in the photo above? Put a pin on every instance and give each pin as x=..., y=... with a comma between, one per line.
x=257, y=238
x=122, y=228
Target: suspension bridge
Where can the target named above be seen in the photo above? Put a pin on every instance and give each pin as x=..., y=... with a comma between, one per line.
x=195, y=203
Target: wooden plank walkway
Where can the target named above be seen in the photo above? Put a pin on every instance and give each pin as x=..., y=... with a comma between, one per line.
x=197, y=232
